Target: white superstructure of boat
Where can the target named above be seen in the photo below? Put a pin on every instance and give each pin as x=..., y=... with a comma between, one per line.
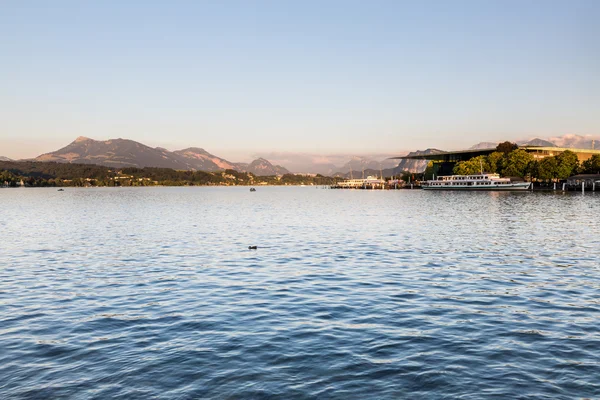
x=483, y=181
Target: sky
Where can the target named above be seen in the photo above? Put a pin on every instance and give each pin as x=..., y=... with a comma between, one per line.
x=243, y=77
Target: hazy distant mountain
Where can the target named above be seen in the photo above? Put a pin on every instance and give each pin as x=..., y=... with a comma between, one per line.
x=537, y=142
x=576, y=141
x=402, y=166
x=202, y=160
x=262, y=167
x=328, y=164
x=358, y=163
x=327, y=169
x=415, y=165
x=4, y=158
x=483, y=145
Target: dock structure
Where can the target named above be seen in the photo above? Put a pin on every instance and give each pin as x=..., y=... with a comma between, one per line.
x=370, y=182
x=584, y=182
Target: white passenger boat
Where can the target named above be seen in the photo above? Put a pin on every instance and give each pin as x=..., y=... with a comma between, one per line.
x=474, y=182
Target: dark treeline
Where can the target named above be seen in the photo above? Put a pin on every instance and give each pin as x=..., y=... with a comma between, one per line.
x=40, y=174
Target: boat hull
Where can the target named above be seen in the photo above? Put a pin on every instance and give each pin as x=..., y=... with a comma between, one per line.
x=495, y=188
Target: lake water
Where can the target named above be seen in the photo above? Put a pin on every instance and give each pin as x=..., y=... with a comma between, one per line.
x=152, y=293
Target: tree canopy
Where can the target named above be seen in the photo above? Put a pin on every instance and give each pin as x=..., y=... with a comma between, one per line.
x=519, y=163
x=473, y=166
x=567, y=164
x=506, y=147
x=592, y=165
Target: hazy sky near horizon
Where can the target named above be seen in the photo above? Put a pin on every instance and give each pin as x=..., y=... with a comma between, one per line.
x=244, y=77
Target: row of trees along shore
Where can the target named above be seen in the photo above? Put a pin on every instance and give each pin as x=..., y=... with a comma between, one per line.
x=41, y=174
x=508, y=160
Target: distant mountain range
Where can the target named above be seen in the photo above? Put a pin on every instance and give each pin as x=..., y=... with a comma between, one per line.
x=531, y=142
x=122, y=153
x=568, y=141
x=4, y=158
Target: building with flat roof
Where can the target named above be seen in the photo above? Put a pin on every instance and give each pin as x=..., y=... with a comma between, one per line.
x=443, y=163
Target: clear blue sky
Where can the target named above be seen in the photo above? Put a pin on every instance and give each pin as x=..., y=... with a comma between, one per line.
x=237, y=77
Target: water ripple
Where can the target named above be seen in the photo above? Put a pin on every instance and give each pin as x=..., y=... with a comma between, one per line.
x=152, y=293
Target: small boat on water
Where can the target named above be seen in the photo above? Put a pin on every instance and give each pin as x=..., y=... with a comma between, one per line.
x=252, y=190
x=482, y=181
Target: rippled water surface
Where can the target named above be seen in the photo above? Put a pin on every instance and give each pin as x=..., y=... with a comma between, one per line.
x=149, y=293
